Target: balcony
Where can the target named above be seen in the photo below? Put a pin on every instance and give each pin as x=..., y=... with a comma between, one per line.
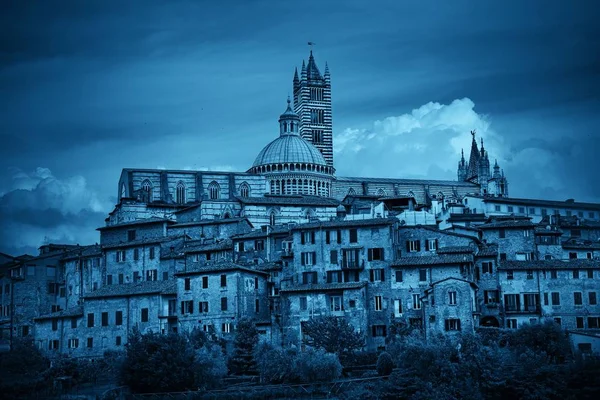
x=287, y=253
x=525, y=309
x=351, y=264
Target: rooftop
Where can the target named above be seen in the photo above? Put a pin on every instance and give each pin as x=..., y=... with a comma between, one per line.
x=151, y=220
x=324, y=287
x=219, y=267
x=346, y=223
x=441, y=259
x=400, y=181
x=134, y=289
x=68, y=313
x=292, y=200
x=550, y=264
x=539, y=203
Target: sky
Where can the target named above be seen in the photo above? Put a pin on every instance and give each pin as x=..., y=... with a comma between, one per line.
x=88, y=88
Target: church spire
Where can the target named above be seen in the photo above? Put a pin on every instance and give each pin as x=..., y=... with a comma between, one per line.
x=473, y=159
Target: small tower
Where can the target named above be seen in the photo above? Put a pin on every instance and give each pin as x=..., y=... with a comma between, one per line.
x=312, y=102
x=473, y=168
x=483, y=175
x=462, y=167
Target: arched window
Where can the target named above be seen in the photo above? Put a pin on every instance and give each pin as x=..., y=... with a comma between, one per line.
x=411, y=194
x=147, y=187
x=351, y=192
x=244, y=190
x=214, y=191
x=180, y=193
x=381, y=192
x=272, y=218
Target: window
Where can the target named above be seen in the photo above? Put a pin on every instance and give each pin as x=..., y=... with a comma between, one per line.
x=510, y=209
x=580, y=323
x=90, y=342
x=545, y=299
x=257, y=305
x=501, y=233
x=118, y=318
x=226, y=327
x=73, y=343
x=333, y=257
x=214, y=191
x=431, y=245
x=509, y=275
x=205, y=282
x=317, y=116
x=416, y=301
x=244, y=190
x=307, y=237
x=529, y=274
x=53, y=344
x=558, y=321
x=490, y=297
x=593, y=322
x=203, y=307
x=104, y=319
x=165, y=276
x=136, y=276
x=136, y=254
x=553, y=274
x=121, y=255
x=272, y=219
x=335, y=304
x=131, y=235
x=317, y=136
x=121, y=279
x=452, y=298
x=152, y=275
x=555, y=298
x=452, y=324
x=422, y=275
x=521, y=210
x=531, y=301
x=526, y=233
x=592, y=298
x=259, y=245
x=496, y=208
x=188, y=284
x=532, y=211
x=413, y=246
x=54, y=324
x=379, y=330
x=303, y=304
x=352, y=303
x=578, y=298
x=109, y=280
x=350, y=258
x=502, y=256
x=309, y=278
x=591, y=214
x=376, y=254
x=512, y=302
x=377, y=275
x=180, y=193
x=73, y=323
x=223, y=281
x=334, y=277
x=118, y=341
x=90, y=320
x=255, y=283
x=308, y=258
x=353, y=236
x=151, y=253
x=223, y=303
x=399, y=277
x=487, y=267
x=511, y=323
x=575, y=274
x=378, y=303
x=187, y=307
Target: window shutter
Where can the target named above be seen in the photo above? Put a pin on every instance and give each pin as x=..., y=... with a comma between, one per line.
x=418, y=245
x=446, y=324
x=382, y=254
x=384, y=330
x=302, y=258
x=373, y=330
x=182, y=308
x=327, y=238
x=408, y=246
x=436, y=244
x=339, y=236
x=426, y=244
x=302, y=238
x=382, y=275
x=314, y=258
x=370, y=256
x=458, y=324
x=371, y=278
x=312, y=237
x=191, y=307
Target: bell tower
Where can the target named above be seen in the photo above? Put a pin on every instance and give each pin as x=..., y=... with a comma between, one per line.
x=312, y=102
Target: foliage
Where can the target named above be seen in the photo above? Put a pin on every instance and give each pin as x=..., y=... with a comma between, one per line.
x=246, y=339
x=333, y=334
x=385, y=364
x=317, y=366
x=274, y=364
x=22, y=370
x=167, y=363
x=547, y=338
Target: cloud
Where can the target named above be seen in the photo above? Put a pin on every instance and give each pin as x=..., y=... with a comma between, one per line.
x=37, y=207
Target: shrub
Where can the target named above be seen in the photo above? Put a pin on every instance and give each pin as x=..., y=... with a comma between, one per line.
x=318, y=366
x=385, y=365
x=274, y=364
x=333, y=334
x=210, y=366
x=246, y=338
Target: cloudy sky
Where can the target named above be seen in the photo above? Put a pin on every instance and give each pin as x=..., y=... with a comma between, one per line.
x=88, y=88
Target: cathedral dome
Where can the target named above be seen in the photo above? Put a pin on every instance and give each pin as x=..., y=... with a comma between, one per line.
x=289, y=149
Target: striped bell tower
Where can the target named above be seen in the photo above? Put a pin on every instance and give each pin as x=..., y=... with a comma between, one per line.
x=312, y=102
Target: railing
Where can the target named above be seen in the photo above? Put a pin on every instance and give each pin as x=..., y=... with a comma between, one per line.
x=353, y=265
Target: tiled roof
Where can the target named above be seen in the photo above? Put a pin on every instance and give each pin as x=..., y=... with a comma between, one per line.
x=135, y=289
x=432, y=260
x=452, y=278
x=152, y=220
x=489, y=250
x=466, y=217
x=290, y=200
x=455, y=249
x=219, y=267
x=85, y=251
x=516, y=223
x=71, y=312
x=541, y=230
x=406, y=181
x=550, y=264
x=259, y=233
x=347, y=223
x=197, y=247
x=270, y=266
x=538, y=203
x=324, y=287
x=445, y=231
x=581, y=244
x=140, y=242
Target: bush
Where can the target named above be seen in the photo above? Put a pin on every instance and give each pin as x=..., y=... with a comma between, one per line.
x=318, y=366
x=333, y=334
x=275, y=365
x=210, y=366
x=385, y=364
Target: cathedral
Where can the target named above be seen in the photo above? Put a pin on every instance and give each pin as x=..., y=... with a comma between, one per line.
x=293, y=178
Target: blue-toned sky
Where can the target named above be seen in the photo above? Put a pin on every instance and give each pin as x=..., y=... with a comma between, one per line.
x=88, y=88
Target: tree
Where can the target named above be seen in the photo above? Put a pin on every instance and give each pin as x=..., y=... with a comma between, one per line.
x=275, y=364
x=246, y=339
x=333, y=334
x=385, y=364
x=317, y=366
